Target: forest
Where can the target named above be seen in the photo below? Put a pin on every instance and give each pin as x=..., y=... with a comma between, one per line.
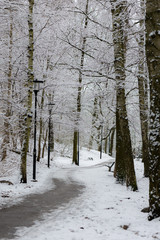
x=82, y=73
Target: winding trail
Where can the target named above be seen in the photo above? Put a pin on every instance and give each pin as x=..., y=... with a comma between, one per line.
x=34, y=206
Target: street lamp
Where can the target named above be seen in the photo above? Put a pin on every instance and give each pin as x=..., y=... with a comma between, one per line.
x=78, y=147
x=101, y=147
x=36, y=89
x=50, y=104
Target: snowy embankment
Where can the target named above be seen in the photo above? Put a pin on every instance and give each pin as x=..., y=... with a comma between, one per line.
x=105, y=210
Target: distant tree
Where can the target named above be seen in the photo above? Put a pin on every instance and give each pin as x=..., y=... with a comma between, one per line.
x=153, y=62
x=111, y=141
x=40, y=126
x=96, y=124
x=143, y=91
x=94, y=118
x=79, y=90
x=8, y=91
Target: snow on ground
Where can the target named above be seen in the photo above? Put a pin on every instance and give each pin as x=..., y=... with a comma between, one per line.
x=10, y=171
x=105, y=210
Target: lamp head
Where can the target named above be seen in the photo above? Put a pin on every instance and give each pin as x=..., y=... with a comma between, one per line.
x=37, y=85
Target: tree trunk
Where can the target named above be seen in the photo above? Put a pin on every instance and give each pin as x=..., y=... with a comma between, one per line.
x=143, y=95
x=76, y=130
x=29, y=85
x=6, y=131
x=153, y=62
x=40, y=127
x=124, y=158
x=106, y=145
x=75, y=148
x=111, y=142
x=52, y=136
x=45, y=143
x=94, y=118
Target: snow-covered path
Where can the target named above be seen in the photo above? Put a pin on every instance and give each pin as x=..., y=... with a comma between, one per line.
x=105, y=210
x=34, y=206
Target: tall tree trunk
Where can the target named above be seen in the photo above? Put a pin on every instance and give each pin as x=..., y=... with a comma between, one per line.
x=75, y=148
x=106, y=145
x=52, y=136
x=111, y=141
x=6, y=134
x=153, y=62
x=76, y=130
x=143, y=94
x=124, y=158
x=97, y=126
x=94, y=119
x=29, y=86
x=45, y=143
x=40, y=127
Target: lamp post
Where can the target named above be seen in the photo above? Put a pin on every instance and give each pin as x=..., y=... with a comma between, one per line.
x=36, y=89
x=101, y=140
x=78, y=147
x=49, y=131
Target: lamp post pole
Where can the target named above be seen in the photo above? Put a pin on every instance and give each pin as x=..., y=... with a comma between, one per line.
x=101, y=140
x=49, y=131
x=36, y=89
x=35, y=132
x=49, y=137
x=78, y=147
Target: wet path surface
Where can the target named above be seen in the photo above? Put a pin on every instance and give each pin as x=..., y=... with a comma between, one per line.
x=33, y=207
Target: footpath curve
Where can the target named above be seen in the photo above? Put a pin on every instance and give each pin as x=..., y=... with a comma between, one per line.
x=34, y=206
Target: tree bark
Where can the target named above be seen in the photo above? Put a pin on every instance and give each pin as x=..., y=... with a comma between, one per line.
x=6, y=135
x=75, y=148
x=143, y=94
x=52, y=136
x=40, y=127
x=76, y=130
x=111, y=142
x=124, y=171
x=45, y=143
x=153, y=62
x=29, y=86
x=94, y=119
